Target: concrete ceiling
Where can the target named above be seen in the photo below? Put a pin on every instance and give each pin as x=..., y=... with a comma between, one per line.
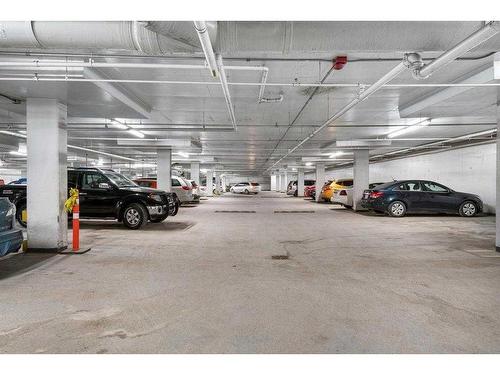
x=263, y=133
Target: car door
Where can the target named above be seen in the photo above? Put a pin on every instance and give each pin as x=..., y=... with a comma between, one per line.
x=411, y=193
x=439, y=198
x=96, y=199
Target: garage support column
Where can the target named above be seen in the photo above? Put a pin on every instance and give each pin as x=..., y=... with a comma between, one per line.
x=498, y=173
x=320, y=179
x=164, y=173
x=361, y=177
x=278, y=182
x=300, y=182
x=217, y=182
x=195, y=172
x=210, y=187
x=284, y=181
x=47, y=174
x=273, y=182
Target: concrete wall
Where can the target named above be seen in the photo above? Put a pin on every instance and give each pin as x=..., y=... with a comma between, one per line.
x=468, y=169
x=9, y=175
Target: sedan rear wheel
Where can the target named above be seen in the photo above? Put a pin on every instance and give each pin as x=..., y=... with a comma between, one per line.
x=397, y=209
x=468, y=209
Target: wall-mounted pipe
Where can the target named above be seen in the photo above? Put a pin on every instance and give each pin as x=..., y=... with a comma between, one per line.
x=225, y=90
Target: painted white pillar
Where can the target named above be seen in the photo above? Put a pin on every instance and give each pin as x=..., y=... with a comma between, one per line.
x=195, y=172
x=164, y=170
x=320, y=179
x=284, y=182
x=273, y=182
x=217, y=181
x=361, y=177
x=300, y=182
x=278, y=182
x=210, y=185
x=497, y=210
x=47, y=174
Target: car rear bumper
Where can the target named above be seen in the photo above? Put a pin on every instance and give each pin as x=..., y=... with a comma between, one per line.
x=10, y=241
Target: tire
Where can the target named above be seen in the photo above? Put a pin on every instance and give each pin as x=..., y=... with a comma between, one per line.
x=19, y=214
x=135, y=216
x=397, y=209
x=296, y=194
x=246, y=192
x=468, y=209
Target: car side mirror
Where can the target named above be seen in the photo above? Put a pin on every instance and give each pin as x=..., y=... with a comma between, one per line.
x=104, y=185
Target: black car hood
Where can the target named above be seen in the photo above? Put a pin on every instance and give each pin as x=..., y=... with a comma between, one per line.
x=142, y=189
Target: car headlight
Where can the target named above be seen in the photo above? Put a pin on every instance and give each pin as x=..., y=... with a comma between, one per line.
x=10, y=212
x=156, y=197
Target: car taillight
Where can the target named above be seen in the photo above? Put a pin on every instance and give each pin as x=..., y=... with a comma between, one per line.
x=186, y=187
x=343, y=192
x=376, y=194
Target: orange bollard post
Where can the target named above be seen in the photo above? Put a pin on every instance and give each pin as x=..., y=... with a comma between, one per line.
x=76, y=225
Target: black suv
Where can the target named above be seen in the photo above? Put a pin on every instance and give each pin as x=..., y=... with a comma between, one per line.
x=105, y=193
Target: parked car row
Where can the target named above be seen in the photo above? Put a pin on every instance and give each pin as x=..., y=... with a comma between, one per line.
x=105, y=193
x=292, y=188
x=397, y=198
x=186, y=190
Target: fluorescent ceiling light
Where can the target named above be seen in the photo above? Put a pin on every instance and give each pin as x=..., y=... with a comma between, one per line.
x=335, y=154
x=183, y=154
x=17, y=153
x=309, y=164
x=143, y=165
x=137, y=133
x=119, y=125
x=409, y=129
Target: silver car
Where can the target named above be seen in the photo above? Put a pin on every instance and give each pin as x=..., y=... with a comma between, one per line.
x=183, y=189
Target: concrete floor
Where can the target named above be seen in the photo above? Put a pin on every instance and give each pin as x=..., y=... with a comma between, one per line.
x=205, y=282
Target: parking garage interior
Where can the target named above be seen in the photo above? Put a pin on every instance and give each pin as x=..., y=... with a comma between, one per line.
x=240, y=115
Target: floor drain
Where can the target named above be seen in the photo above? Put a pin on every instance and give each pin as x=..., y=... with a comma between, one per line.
x=280, y=256
x=235, y=212
x=294, y=212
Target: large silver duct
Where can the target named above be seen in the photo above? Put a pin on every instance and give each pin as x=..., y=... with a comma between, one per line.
x=98, y=36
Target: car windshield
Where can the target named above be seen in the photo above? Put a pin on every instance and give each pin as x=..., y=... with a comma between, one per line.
x=119, y=180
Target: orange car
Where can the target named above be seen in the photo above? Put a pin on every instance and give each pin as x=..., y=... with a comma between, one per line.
x=332, y=186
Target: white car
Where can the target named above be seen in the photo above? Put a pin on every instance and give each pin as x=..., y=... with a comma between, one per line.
x=342, y=197
x=245, y=188
x=183, y=189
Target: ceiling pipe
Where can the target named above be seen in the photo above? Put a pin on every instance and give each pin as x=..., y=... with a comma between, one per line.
x=393, y=73
x=225, y=89
x=67, y=78
x=206, y=45
x=423, y=71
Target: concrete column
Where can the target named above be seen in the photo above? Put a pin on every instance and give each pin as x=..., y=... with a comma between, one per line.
x=210, y=187
x=284, y=181
x=47, y=174
x=278, y=182
x=195, y=172
x=361, y=177
x=223, y=182
x=217, y=181
x=164, y=170
x=300, y=182
x=497, y=208
x=320, y=179
x=273, y=182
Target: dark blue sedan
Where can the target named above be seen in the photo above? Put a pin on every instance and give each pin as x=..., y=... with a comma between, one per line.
x=398, y=198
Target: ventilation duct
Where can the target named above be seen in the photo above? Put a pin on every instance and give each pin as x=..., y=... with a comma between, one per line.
x=93, y=36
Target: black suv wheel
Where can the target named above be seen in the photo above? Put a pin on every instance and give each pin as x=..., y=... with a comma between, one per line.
x=135, y=216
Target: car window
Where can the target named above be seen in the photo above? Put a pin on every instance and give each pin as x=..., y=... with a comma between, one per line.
x=119, y=179
x=176, y=182
x=346, y=183
x=72, y=179
x=408, y=186
x=91, y=180
x=309, y=182
x=432, y=186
